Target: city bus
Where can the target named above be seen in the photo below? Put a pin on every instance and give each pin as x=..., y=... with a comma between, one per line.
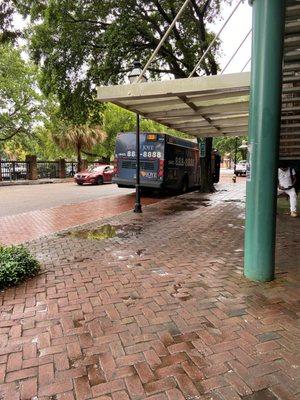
x=166, y=162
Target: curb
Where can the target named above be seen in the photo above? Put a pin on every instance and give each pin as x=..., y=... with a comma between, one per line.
x=37, y=182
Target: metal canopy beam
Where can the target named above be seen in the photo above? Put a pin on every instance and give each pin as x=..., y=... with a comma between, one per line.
x=199, y=105
x=177, y=87
x=207, y=106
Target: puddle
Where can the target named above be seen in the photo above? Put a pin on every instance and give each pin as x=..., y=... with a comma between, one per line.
x=190, y=205
x=105, y=232
x=234, y=201
x=128, y=230
x=159, y=271
x=135, y=266
x=234, y=226
x=122, y=255
x=238, y=250
x=197, y=200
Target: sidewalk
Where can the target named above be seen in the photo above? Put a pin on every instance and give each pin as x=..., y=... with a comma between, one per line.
x=161, y=311
x=35, y=182
x=19, y=228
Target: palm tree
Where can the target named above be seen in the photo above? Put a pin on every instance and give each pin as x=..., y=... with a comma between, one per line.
x=79, y=138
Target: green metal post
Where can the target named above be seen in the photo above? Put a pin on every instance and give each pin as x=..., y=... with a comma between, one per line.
x=264, y=130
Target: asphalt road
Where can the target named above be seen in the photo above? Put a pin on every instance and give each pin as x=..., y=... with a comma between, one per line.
x=19, y=199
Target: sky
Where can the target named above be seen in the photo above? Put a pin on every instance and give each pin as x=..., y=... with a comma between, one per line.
x=233, y=34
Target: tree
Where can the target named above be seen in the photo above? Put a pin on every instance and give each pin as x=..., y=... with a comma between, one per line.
x=79, y=138
x=7, y=31
x=21, y=104
x=228, y=144
x=83, y=43
x=117, y=119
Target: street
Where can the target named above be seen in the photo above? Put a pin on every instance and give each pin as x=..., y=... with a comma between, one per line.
x=19, y=199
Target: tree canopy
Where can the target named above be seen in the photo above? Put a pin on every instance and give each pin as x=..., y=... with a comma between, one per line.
x=230, y=144
x=83, y=43
x=21, y=103
x=79, y=138
x=8, y=33
x=80, y=44
x=116, y=119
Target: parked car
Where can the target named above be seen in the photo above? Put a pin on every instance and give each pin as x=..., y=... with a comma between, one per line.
x=240, y=168
x=95, y=175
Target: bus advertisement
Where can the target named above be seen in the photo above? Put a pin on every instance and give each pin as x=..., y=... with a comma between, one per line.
x=166, y=162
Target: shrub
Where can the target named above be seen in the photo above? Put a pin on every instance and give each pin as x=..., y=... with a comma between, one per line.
x=16, y=264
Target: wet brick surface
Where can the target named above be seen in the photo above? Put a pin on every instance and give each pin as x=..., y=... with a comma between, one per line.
x=161, y=312
x=19, y=228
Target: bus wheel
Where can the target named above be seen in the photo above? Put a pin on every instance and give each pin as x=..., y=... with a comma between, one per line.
x=185, y=184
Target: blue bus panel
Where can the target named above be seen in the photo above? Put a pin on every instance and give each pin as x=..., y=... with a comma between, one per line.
x=165, y=161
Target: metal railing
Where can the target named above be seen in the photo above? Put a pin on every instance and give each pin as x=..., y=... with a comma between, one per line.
x=71, y=168
x=14, y=170
x=19, y=170
x=47, y=169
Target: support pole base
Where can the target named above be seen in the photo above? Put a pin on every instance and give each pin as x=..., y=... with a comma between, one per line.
x=137, y=208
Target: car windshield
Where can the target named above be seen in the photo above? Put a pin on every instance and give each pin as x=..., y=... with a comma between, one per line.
x=98, y=168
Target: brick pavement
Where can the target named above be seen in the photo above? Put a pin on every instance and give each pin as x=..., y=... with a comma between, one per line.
x=159, y=312
x=31, y=225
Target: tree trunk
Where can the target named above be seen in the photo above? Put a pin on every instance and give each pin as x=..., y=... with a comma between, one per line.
x=79, y=159
x=209, y=172
x=205, y=168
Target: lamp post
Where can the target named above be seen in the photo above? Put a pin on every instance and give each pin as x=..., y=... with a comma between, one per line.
x=133, y=78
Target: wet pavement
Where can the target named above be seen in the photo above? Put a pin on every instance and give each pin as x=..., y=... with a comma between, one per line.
x=21, y=199
x=16, y=229
x=155, y=306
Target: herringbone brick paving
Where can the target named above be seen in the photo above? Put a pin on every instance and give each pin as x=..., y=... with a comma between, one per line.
x=19, y=228
x=160, y=312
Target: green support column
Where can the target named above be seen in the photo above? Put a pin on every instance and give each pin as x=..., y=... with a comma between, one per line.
x=264, y=130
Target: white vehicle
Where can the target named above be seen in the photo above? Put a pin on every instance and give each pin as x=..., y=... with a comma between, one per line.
x=240, y=168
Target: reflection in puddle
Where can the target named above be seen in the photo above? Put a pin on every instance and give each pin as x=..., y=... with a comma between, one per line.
x=105, y=232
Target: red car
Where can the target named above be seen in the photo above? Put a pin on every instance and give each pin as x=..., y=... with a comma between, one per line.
x=95, y=175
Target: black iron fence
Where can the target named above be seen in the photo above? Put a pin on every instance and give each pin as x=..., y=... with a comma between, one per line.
x=19, y=170
x=71, y=168
x=14, y=170
x=47, y=169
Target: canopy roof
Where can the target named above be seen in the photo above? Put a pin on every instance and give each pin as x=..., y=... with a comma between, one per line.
x=203, y=106
x=218, y=105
